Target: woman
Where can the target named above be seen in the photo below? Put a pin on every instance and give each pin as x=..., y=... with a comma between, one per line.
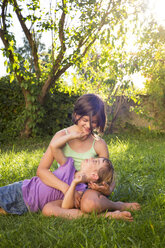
x=88, y=115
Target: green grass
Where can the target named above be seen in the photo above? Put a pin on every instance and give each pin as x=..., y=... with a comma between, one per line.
x=139, y=161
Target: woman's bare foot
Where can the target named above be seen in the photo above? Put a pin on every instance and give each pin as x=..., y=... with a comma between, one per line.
x=2, y=211
x=125, y=215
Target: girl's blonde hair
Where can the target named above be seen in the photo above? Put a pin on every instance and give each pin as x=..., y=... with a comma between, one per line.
x=106, y=173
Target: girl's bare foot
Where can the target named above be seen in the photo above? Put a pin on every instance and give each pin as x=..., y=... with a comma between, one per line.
x=125, y=215
x=2, y=211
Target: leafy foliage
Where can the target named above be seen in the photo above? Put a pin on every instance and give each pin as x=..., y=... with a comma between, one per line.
x=105, y=71
x=11, y=109
x=151, y=61
x=74, y=27
x=57, y=111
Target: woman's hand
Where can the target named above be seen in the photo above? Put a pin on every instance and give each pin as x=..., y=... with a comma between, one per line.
x=112, y=186
x=104, y=188
x=77, y=135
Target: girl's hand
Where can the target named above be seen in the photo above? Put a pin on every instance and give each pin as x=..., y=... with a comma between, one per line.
x=80, y=179
x=104, y=188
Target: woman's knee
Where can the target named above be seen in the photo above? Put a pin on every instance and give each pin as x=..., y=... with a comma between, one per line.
x=47, y=211
x=90, y=202
x=52, y=208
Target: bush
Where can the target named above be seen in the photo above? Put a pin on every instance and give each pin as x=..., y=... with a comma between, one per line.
x=58, y=108
x=11, y=108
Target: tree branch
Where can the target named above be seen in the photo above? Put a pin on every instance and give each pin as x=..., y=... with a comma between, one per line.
x=29, y=37
x=51, y=80
x=56, y=73
x=4, y=32
x=4, y=6
x=62, y=41
x=84, y=40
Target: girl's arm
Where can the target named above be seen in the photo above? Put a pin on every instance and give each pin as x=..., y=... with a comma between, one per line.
x=68, y=201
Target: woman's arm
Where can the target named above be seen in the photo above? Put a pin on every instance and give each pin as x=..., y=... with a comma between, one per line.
x=45, y=174
x=48, y=177
x=57, y=144
x=54, y=151
x=101, y=148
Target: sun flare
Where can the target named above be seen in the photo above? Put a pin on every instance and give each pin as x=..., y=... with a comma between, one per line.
x=157, y=7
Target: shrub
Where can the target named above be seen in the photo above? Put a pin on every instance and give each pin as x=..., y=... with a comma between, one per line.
x=57, y=109
x=11, y=108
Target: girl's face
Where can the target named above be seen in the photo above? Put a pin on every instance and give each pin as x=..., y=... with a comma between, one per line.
x=84, y=123
x=90, y=168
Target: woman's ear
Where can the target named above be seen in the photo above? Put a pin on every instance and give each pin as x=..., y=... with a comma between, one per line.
x=77, y=118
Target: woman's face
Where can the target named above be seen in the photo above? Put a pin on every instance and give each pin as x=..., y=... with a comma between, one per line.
x=84, y=123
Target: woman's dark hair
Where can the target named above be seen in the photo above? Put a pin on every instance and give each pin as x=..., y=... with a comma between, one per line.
x=90, y=105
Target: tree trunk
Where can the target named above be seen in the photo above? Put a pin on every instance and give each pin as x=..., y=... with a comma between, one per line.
x=114, y=112
x=27, y=131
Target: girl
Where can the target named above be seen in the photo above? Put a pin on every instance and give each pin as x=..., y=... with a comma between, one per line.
x=88, y=115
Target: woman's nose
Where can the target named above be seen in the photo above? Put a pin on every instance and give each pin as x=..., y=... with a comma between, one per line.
x=88, y=124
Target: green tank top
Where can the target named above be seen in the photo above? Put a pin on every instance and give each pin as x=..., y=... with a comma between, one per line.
x=78, y=157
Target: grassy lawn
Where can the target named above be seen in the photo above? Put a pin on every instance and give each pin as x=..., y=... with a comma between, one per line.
x=139, y=161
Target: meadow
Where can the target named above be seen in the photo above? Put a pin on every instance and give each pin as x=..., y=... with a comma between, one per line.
x=139, y=161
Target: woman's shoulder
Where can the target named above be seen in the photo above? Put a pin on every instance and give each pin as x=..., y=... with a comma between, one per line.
x=99, y=141
x=101, y=147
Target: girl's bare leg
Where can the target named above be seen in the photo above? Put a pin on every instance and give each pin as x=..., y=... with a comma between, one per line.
x=94, y=201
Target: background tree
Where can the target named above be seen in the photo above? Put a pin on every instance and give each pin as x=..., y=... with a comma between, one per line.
x=105, y=70
x=150, y=60
x=74, y=25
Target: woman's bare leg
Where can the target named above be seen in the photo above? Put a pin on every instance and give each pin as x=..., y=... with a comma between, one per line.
x=125, y=215
x=54, y=209
x=94, y=201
